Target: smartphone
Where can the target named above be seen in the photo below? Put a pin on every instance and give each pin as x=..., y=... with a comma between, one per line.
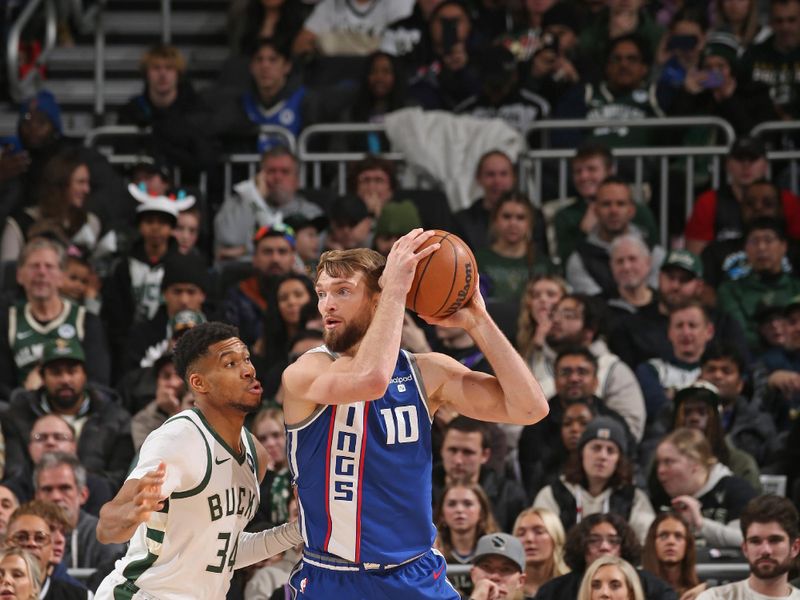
x=713, y=80
x=550, y=42
x=682, y=42
x=449, y=34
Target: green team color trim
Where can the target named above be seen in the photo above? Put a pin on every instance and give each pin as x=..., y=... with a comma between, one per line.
x=251, y=443
x=237, y=457
x=126, y=590
x=201, y=486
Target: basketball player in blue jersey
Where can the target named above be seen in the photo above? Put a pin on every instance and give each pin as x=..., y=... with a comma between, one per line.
x=358, y=416
x=195, y=485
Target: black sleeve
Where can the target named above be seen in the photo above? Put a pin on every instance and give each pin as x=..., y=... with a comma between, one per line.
x=8, y=369
x=655, y=588
x=98, y=363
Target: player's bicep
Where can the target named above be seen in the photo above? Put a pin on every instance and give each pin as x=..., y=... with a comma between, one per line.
x=182, y=449
x=470, y=393
x=319, y=380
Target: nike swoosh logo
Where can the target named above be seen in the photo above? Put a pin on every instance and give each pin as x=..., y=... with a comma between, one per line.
x=219, y=462
x=24, y=334
x=438, y=573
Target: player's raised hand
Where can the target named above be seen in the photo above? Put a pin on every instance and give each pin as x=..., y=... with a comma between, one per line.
x=147, y=495
x=466, y=317
x=401, y=264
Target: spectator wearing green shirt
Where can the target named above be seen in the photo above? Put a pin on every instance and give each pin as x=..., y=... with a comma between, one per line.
x=575, y=217
x=511, y=258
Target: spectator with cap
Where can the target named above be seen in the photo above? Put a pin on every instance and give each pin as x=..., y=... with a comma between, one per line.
x=601, y=534
x=766, y=247
x=498, y=567
x=716, y=214
x=588, y=269
x=274, y=256
x=501, y=96
x=44, y=315
x=133, y=291
x=168, y=105
x=726, y=259
x=598, y=479
x=745, y=424
x=643, y=335
x=264, y=200
x=350, y=224
x=308, y=246
x=772, y=63
x=184, y=287
x=716, y=88
x=102, y=426
x=396, y=220
x=771, y=322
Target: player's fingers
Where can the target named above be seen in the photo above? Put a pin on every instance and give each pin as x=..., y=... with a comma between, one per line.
x=427, y=251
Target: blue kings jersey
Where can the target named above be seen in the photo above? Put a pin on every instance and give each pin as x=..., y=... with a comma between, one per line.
x=288, y=113
x=363, y=473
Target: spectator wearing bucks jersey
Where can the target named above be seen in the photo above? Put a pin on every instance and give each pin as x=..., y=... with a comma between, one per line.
x=133, y=293
x=43, y=315
x=623, y=94
x=195, y=485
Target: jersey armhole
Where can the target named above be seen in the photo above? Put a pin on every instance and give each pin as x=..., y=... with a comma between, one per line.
x=251, y=443
x=412, y=362
x=200, y=486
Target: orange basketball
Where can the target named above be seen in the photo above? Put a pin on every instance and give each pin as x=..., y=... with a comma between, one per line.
x=445, y=280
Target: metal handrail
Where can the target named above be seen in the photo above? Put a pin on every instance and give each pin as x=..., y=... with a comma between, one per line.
x=774, y=126
x=317, y=158
x=658, y=122
x=15, y=84
x=166, y=21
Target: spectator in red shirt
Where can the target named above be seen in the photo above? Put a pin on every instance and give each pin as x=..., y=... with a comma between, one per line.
x=717, y=215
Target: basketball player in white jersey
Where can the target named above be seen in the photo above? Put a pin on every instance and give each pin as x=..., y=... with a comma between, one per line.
x=195, y=485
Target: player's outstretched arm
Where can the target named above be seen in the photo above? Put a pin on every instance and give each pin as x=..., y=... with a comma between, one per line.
x=255, y=547
x=132, y=506
x=364, y=376
x=512, y=395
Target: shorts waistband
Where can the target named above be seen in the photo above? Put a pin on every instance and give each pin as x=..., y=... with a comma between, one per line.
x=337, y=563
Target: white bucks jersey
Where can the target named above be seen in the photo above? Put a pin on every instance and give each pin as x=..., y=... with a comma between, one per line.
x=188, y=550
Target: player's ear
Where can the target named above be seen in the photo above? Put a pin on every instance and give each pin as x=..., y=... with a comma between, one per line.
x=197, y=382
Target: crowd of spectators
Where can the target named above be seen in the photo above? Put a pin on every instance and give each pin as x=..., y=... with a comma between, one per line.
x=672, y=368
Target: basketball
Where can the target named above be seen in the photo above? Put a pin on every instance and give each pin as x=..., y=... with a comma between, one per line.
x=445, y=280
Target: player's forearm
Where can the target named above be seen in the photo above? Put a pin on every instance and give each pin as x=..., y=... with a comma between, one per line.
x=524, y=400
x=255, y=547
x=116, y=526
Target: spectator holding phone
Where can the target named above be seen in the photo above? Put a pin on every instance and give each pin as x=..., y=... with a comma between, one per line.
x=679, y=50
x=713, y=89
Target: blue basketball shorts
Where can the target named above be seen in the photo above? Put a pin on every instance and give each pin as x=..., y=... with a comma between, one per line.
x=424, y=578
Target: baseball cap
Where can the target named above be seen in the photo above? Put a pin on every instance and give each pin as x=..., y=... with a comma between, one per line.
x=398, y=218
x=496, y=60
x=184, y=320
x=683, y=259
x=46, y=103
x=604, y=428
x=724, y=45
x=185, y=268
x=772, y=305
x=500, y=544
x=792, y=305
x=748, y=148
x=61, y=349
x=699, y=390
x=278, y=230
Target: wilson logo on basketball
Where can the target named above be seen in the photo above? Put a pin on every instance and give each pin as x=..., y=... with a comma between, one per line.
x=464, y=292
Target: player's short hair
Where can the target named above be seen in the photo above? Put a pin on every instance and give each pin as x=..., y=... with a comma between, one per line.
x=346, y=263
x=770, y=508
x=194, y=344
x=53, y=460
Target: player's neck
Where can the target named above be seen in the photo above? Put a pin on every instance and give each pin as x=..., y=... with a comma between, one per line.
x=228, y=424
x=777, y=587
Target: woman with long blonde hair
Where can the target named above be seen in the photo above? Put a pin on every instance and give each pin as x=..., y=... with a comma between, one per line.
x=542, y=537
x=610, y=577
x=19, y=574
x=542, y=293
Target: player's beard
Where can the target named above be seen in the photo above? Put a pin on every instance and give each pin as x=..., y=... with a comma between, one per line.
x=771, y=569
x=349, y=335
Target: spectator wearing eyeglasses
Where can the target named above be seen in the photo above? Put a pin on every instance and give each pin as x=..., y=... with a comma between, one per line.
x=61, y=479
x=274, y=256
x=595, y=536
x=266, y=199
x=102, y=425
x=32, y=533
